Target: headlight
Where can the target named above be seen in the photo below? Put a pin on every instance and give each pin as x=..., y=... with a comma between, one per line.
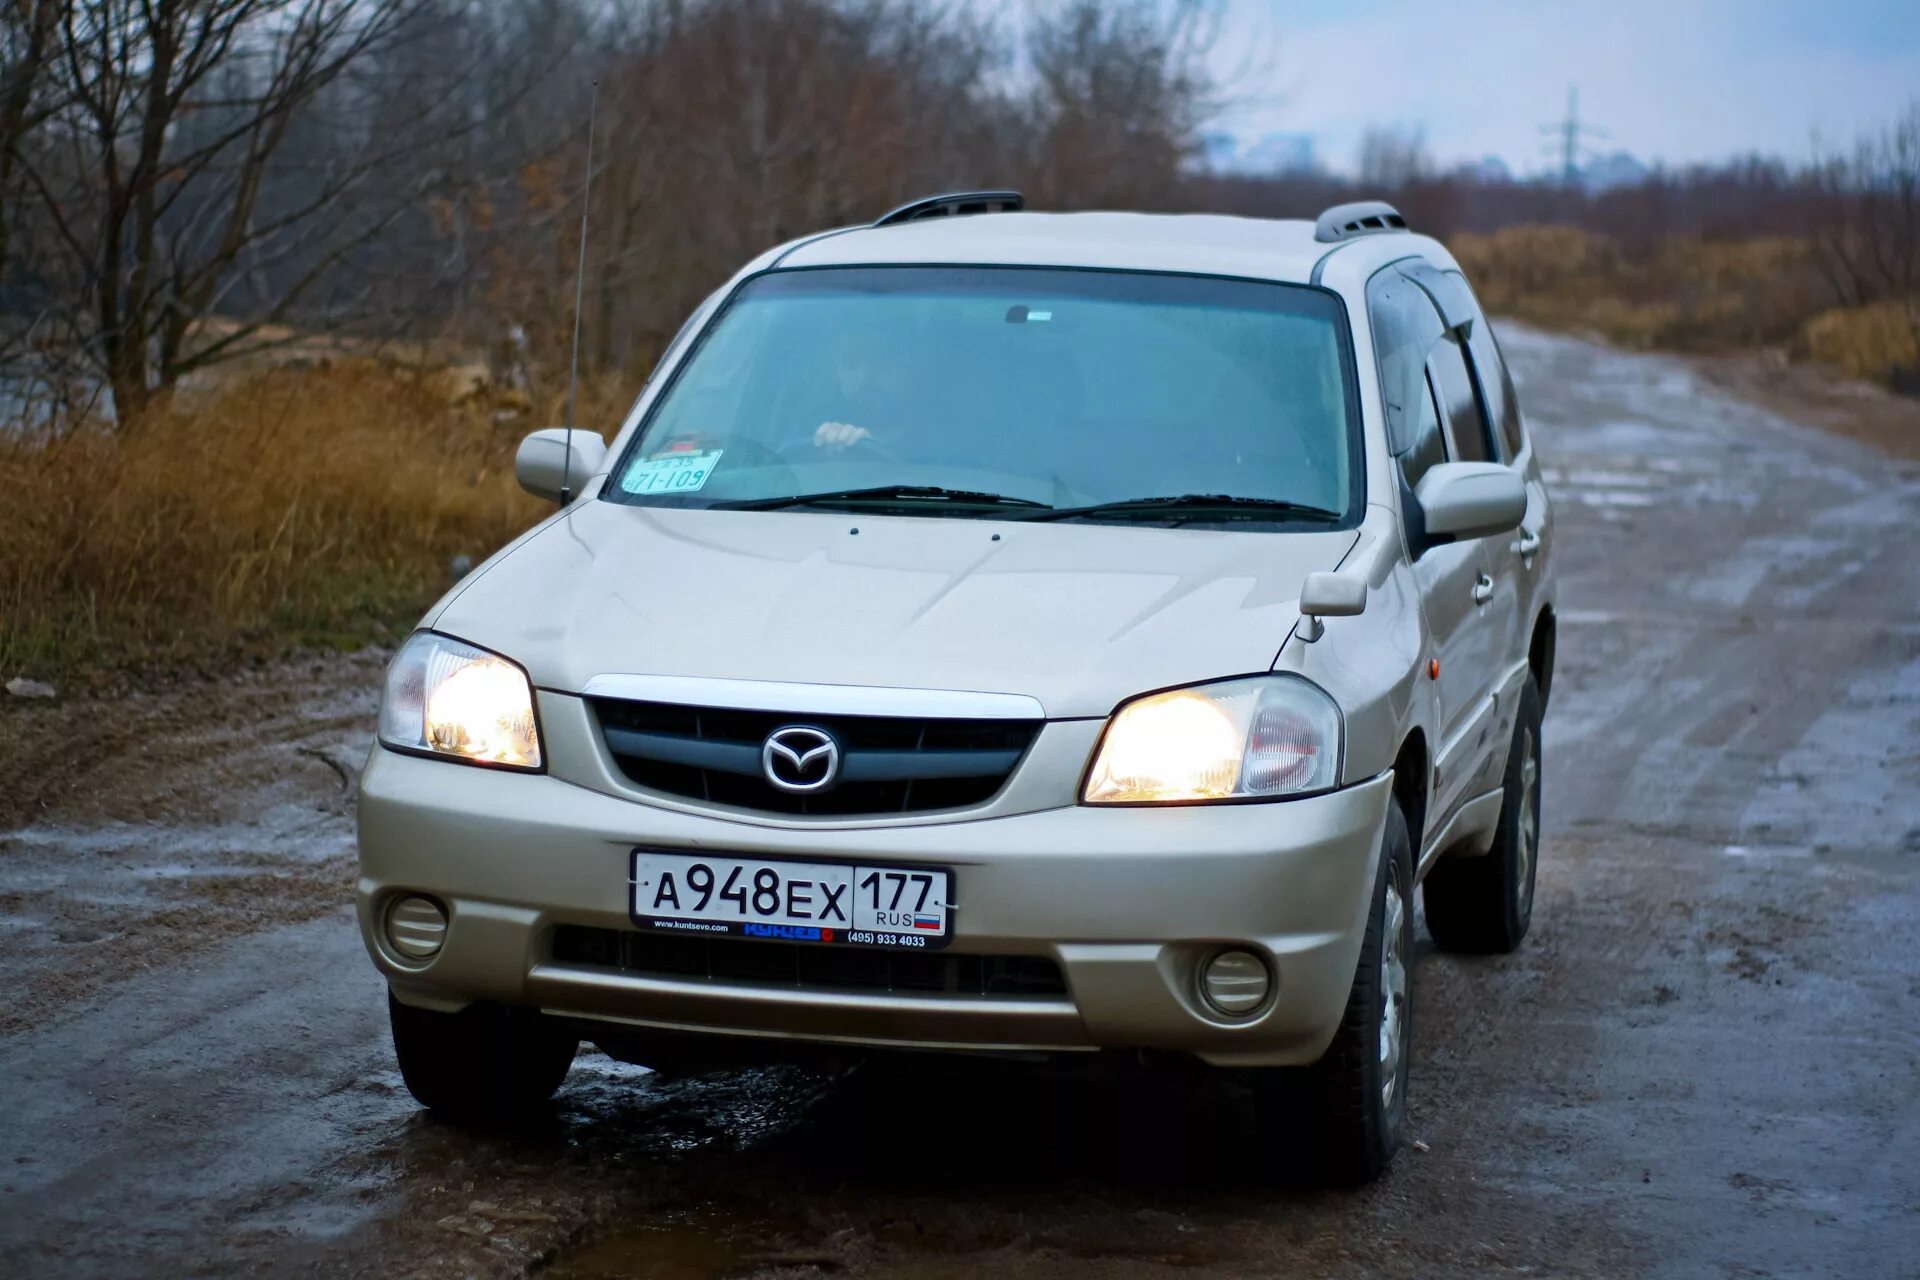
x=1262, y=737
x=454, y=700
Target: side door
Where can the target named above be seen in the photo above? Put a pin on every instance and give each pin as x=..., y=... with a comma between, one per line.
x=1473, y=751
x=1519, y=559
x=1451, y=578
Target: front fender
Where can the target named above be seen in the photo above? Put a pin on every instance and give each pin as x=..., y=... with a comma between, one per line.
x=1371, y=663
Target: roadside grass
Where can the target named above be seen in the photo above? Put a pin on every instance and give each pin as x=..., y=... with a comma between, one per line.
x=1687, y=293
x=317, y=507
x=1876, y=342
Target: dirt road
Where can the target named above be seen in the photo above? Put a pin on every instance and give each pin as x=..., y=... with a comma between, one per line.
x=1704, y=1062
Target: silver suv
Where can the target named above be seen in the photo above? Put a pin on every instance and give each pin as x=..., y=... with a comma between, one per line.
x=992, y=632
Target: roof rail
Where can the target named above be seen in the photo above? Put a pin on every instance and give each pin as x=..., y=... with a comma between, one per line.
x=952, y=205
x=1361, y=218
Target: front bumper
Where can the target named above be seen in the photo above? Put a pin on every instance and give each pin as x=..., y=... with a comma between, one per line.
x=1129, y=902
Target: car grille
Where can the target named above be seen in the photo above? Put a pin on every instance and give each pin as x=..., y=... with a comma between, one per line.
x=888, y=764
x=816, y=968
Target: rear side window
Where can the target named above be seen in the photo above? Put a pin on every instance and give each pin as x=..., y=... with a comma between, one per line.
x=1465, y=425
x=1496, y=383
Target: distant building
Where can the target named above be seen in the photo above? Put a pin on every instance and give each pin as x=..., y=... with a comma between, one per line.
x=1273, y=155
x=1280, y=153
x=1605, y=173
x=1487, y=169
x=1218, y=153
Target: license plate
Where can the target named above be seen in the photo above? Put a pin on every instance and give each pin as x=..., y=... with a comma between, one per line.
x=852, y=903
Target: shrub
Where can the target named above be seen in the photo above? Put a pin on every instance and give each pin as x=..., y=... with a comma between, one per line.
x=1685, y=293
x=1874, y=342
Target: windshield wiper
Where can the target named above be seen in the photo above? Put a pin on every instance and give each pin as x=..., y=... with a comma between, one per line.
x=1193, y=506
x=881, y=493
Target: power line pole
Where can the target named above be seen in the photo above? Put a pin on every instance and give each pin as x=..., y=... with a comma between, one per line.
x=1565, y=138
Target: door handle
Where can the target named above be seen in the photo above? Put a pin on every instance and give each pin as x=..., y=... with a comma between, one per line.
x=1483, y=590
x=1529, y=542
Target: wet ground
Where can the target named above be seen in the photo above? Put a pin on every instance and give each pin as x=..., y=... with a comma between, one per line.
x=1704, y=1062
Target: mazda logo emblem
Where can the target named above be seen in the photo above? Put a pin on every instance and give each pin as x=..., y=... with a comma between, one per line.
x=800, y=758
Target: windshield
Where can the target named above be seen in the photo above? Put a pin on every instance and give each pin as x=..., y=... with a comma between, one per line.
x=996, y=391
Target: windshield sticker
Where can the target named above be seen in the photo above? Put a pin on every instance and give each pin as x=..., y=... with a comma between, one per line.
x=671, y=473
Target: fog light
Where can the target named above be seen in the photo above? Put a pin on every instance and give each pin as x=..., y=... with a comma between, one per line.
x=416, y=927
x=1235, y=982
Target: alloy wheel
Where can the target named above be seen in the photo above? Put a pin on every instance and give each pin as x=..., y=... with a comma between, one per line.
x=1529, y=845
x=1393, y=987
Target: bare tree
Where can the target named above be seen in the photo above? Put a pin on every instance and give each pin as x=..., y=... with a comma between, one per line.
x=152, y=173
x=1119, y=94
x=197, y=180
x=729, y=125
x=27, y=29
x=1392, y=157
x=1867, y=229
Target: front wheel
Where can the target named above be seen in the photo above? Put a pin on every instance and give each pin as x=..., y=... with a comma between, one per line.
x=483, y=1065
x=1351, y=1106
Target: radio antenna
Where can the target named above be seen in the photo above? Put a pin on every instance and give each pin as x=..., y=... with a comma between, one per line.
x=579, y=296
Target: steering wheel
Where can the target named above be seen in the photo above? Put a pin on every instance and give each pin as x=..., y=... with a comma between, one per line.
x=806, y=451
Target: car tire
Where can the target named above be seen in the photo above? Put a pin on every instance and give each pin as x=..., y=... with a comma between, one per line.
x=1350, y=1107
x=1484, y=905
x=483, y=1065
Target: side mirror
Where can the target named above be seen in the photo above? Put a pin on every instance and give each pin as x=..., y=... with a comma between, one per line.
x=1471, y=500
x=1329, y=595
x=545, y=464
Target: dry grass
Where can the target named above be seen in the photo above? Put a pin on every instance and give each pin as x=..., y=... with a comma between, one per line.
x=1880, y=342
x=1683, y=293
x=1687, y=293
x=318, y=507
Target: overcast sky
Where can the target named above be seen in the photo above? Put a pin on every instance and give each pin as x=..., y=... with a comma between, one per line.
x=1670, y=80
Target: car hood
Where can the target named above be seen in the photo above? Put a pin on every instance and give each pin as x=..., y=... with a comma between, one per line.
x=1077, y=616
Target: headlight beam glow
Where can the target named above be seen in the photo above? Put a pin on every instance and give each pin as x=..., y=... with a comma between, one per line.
x=1254, y=738
x=459, y=701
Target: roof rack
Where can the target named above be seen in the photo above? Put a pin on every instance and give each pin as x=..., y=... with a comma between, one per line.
x=1361, y=218
x=952, y=205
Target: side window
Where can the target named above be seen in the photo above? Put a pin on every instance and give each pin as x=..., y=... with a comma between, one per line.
x=1496, y=383
x=1466, y=428
x=1429, y=446
x=1405, y=327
